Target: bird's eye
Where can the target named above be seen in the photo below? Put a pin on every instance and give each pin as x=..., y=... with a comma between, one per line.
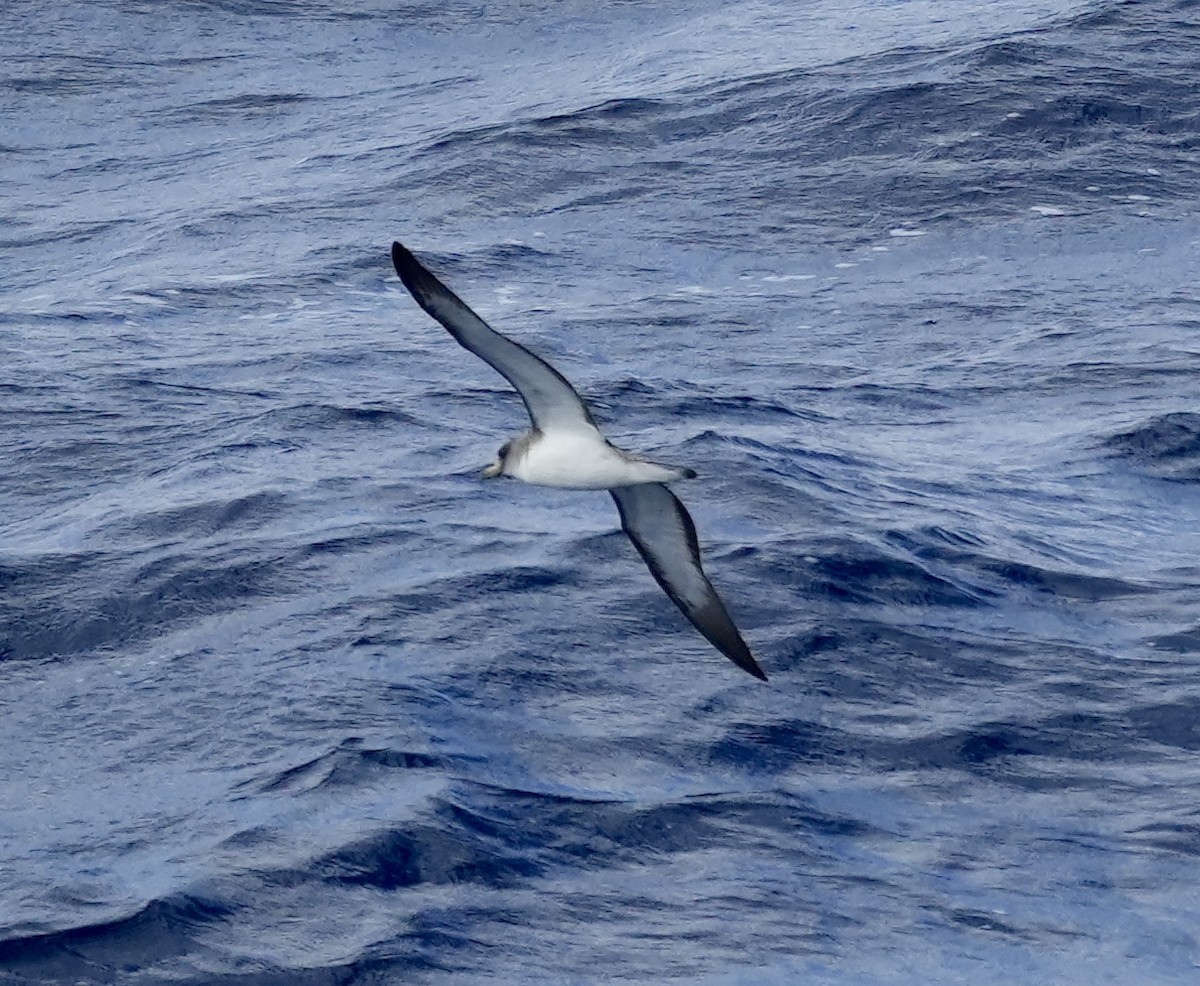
x=504, y=450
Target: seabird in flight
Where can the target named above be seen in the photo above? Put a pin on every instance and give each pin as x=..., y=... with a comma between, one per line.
x=564, y=448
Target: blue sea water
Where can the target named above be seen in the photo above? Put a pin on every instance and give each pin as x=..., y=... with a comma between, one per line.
x=288, y=695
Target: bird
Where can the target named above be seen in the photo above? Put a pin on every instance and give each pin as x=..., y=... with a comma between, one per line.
x=564, y=448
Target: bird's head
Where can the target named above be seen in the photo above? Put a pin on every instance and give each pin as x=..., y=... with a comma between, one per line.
x=497, y=467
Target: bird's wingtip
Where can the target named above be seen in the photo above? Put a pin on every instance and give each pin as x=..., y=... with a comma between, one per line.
x=412, y=272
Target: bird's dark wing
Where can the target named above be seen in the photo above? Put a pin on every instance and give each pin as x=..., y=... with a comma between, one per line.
x=663, y=532
x=551, y=400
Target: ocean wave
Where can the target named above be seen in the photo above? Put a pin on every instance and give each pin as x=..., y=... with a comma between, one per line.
x=1167, y=446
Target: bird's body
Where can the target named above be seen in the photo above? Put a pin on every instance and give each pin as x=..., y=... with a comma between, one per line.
x=580, y=459
x=565, y=449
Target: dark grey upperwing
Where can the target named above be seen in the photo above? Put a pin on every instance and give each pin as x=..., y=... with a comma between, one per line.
x=663, y=532
x=551, y=400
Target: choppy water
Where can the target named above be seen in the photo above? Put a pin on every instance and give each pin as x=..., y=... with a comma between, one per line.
x=287, y=695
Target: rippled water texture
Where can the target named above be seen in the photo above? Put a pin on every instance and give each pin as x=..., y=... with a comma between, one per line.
x=288, y=695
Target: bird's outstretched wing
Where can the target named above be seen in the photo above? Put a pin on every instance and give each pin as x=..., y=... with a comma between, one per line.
x=551, y=400
x=663, y=532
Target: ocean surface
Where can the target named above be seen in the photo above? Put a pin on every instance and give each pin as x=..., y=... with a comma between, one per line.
x=289, y=696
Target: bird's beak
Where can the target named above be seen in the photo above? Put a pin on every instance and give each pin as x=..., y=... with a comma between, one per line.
x=494, y=470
